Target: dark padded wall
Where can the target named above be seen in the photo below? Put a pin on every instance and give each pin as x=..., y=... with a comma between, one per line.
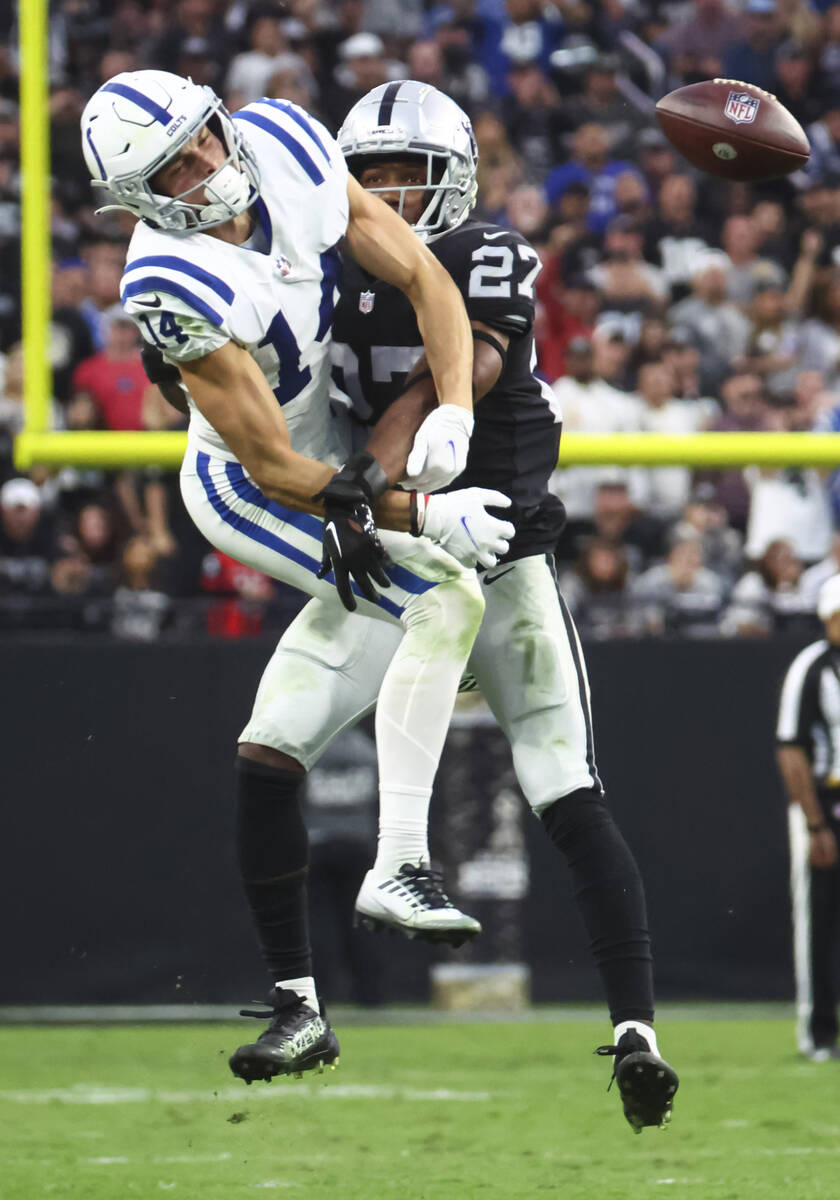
x=117, y=864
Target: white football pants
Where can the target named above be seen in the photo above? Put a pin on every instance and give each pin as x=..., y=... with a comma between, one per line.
x=526, y=660
x=428, y=620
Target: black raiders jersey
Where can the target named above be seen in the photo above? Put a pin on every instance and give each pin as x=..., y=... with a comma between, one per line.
x=516, y=439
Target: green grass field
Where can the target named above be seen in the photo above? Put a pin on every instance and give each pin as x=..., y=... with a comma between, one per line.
x=427, y=1112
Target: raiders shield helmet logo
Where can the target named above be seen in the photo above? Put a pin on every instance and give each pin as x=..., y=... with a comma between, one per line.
x=366, y=300
x=741, y=107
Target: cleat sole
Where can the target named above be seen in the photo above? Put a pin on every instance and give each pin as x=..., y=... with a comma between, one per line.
x=435, y=937
x=647, y=1085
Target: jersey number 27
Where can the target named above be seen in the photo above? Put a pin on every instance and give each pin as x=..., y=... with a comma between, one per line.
x=494, y=268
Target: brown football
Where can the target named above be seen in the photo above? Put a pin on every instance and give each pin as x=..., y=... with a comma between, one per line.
x=733, y=129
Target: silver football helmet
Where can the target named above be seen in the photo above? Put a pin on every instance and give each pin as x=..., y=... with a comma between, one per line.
x=139, y=120
x=408, y=119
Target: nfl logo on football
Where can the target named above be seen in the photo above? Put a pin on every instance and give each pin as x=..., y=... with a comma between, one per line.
x=366, y=302
x=741, y=107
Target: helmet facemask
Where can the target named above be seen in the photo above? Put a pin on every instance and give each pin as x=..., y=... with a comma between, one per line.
x=435, y=187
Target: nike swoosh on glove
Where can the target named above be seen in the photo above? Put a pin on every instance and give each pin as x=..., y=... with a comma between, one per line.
x=441, y=445
x=351, y=549
x=460, y=523
x=351, y=546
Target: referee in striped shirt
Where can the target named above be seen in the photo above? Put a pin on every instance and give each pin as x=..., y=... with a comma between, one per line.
x=808, y=751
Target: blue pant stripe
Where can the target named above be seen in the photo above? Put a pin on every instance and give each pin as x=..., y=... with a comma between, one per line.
x=246, y=490
x=265, y=537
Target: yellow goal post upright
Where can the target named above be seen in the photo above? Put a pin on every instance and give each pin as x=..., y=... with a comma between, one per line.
x=39, y=444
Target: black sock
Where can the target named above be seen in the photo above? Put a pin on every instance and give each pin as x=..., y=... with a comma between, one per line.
x=611, y=899
x=274, y=863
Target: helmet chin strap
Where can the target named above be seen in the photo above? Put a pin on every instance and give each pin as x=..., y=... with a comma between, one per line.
x=228, y=192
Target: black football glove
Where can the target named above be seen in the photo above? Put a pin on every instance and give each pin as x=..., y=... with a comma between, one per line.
x=351, y=545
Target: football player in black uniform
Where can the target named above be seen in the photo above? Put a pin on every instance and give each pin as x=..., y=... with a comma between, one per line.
x=409, y=143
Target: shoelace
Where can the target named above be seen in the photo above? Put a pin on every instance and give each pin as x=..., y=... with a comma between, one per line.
x=623, y=1051
x=284, y=1001
x=606, y=1050
x=426, y=884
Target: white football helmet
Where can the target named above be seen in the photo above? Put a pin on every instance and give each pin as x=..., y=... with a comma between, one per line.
x=407, y=119
x=136, y=122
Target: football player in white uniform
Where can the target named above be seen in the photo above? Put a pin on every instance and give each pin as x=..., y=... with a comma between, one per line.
x=400, y=140
x=231, y=273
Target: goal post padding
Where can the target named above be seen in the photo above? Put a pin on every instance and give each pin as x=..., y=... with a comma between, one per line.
x=712, y=450
x=33, y=22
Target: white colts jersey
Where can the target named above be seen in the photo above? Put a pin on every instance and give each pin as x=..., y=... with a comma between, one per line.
x=274, y=296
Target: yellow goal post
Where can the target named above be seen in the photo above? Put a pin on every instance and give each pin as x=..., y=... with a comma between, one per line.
x=37, y=444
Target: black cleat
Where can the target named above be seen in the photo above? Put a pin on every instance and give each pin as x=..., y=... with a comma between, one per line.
x=646, y=1082
x=297, y=1039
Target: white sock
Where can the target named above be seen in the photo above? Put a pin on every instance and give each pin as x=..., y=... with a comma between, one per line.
x=305, y=987
x=413, y=711
x=645, y=1031
x=403, y=829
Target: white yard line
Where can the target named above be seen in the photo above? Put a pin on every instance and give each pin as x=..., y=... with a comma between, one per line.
x=158, y=1160
x=289, y=1090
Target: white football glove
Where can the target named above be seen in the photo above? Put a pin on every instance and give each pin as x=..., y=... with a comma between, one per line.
x=460, y=524
x=439, y=453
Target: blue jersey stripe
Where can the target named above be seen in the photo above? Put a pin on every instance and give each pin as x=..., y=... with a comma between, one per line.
x=307, y=523
x=94, y=151
x=294, y=147
x=144, y=102
x=300, y=120
x=265, y=537
x=157, y=283
x=215, y=284
x=330, y=271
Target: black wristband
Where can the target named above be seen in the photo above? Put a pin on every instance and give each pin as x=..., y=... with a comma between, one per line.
x=818, y=828
x=361, y=471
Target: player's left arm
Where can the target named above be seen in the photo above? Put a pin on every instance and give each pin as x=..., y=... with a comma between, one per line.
x=495, y=270
x=393, y=435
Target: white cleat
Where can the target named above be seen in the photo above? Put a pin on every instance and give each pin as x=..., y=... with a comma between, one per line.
x=413, y=902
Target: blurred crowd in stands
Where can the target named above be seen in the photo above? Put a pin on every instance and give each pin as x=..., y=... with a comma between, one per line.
x=668, y=301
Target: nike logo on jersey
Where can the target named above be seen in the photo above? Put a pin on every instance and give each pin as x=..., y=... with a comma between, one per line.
x=498, y=233
x=493, y=578
x=156, y=303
